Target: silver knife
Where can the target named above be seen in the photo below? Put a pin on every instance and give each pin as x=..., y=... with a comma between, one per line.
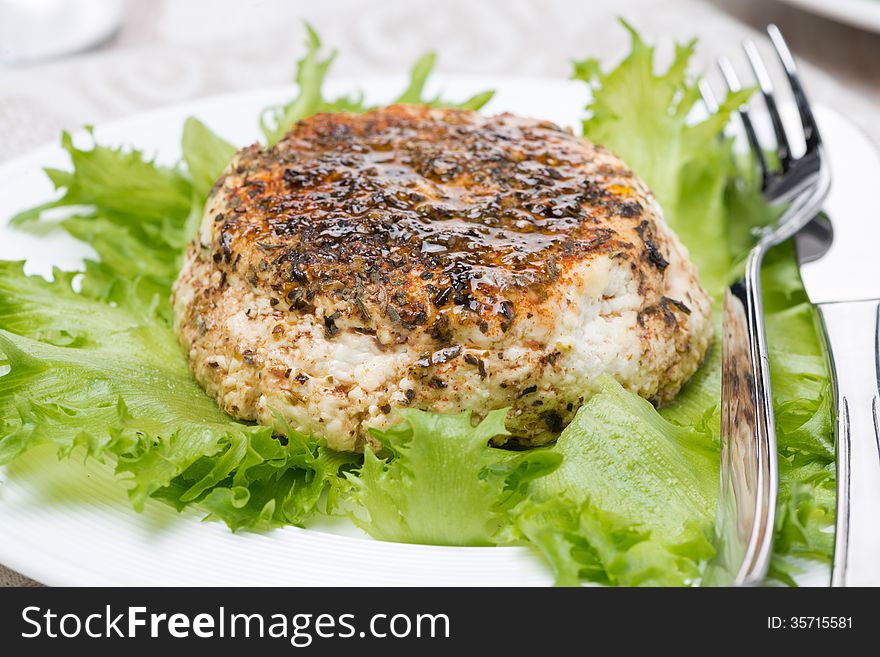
x=840, y=268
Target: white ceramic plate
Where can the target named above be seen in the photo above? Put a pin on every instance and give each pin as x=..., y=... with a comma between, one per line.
x=864, y=14
x=65, y=523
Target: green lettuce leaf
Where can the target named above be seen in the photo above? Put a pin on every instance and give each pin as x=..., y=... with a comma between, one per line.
x=632, y=503
x=443, y=484
x=112, y=381
x=414, y=94
x=137, y=216
x=803, y=402
x=121, y=183
x=643, y=116
x=206, y=155
x=310, y=74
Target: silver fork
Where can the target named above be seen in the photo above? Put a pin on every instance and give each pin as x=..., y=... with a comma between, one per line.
x=749, y=472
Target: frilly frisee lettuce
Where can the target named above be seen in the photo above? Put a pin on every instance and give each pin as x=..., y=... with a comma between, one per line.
x=310, y=73
x=627, y=495
x=108, y=377
x=631, y=500
x=442, y=483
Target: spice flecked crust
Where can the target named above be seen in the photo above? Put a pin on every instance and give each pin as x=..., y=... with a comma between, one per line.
x=435, y=259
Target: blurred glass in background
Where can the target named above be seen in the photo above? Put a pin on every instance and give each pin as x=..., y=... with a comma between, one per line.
x=35, y=30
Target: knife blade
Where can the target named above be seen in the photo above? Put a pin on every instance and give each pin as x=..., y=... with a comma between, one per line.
x=840, y=269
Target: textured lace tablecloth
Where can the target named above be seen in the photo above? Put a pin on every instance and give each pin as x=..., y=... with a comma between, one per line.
x=168, y=52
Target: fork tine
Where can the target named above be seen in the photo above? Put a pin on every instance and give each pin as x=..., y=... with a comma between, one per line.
x=708, y=96
x=811, y=130
x=734, y=85
x=766, y=85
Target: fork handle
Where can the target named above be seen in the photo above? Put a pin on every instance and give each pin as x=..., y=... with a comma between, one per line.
x=851, y=331
x=768, y=479
x=749, y=473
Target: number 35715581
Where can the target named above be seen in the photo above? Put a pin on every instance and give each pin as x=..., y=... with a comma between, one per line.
x=809, y=622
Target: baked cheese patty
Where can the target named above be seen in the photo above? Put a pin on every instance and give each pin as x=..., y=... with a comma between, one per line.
x=436, y=259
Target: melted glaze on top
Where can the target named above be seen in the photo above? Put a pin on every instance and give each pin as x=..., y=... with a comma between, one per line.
x=410, y=213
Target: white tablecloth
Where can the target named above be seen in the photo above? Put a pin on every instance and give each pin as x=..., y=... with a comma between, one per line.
x=168, y=52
